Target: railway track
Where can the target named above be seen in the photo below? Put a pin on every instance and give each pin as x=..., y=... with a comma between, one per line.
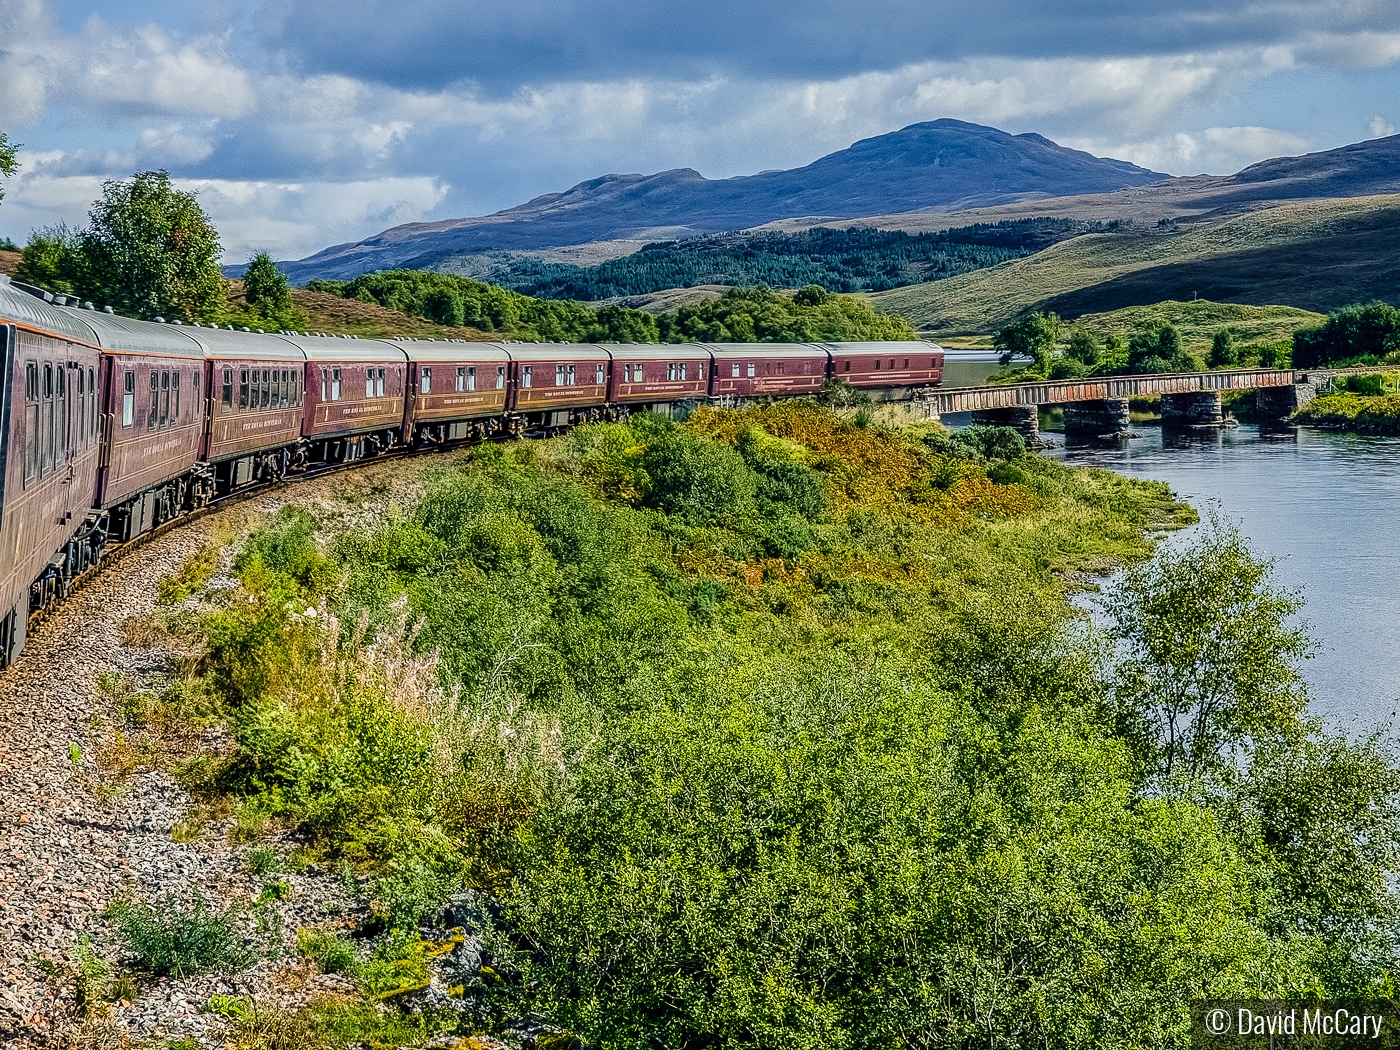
x=115, y=553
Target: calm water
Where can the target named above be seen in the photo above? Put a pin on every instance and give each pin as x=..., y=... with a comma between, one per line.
x=1327, y=506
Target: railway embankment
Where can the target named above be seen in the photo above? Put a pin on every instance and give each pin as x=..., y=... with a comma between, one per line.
x=93, y=810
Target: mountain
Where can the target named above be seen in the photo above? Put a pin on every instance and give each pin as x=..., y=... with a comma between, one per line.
x=942, y=164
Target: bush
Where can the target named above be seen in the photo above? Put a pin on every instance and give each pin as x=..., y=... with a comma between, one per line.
x=172, y=941
x=698, y=480
x=1360, y=332
x=330, y=953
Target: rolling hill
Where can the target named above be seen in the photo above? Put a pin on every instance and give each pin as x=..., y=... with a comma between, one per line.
x=945, y=164
x=1314, y=254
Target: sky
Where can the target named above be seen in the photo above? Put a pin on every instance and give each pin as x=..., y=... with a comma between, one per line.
x=306, y=123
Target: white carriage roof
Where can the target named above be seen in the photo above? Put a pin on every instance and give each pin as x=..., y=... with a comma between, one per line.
x=20, y=307
x=563, y=352
x=894, y=346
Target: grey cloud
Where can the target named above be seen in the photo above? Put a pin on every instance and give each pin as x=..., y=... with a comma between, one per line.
x=502, y=45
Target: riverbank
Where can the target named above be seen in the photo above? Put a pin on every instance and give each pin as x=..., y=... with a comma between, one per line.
x=1357, y=413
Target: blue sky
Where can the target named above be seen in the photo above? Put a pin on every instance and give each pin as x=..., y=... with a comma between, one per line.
x=303, y=123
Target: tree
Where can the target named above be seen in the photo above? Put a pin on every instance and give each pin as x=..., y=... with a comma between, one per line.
x=1223, y=352
x=55, y=259
x=269, y=298
x=1032, y=337
x=1084, y=347
x=1210, y=660
x=1369, y=330
x=1156, y=350
x=153, y=251
x=8, y=164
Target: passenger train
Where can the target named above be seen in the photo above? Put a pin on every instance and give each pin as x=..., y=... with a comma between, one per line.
x=110, y=427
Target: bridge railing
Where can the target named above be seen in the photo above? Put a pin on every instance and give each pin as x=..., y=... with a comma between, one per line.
x=948, y=400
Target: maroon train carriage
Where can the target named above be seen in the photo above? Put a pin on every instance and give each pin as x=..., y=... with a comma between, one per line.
x=253, y=430
x=153, y=420
x=766, y=369
x=457, y=390
x=904, y=365
x=49, y=451
x=656, y=376
x=555, y=385
x=354, y=404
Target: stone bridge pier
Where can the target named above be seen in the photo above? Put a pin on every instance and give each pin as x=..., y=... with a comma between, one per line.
x=1196, y=408
x=1104, y=418
x=1275, y=404
x=1024, y=419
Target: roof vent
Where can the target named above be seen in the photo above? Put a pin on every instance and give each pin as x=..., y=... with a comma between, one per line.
x=160, y=320
x=60, y=300
x=177, y=321
x=245, y=328
x=260, y=331
x=87, y=306
x=108, y=310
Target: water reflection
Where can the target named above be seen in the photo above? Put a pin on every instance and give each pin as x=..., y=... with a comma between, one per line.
x=1326, y=505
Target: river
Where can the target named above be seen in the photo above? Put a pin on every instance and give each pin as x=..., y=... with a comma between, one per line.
x=1326, y=506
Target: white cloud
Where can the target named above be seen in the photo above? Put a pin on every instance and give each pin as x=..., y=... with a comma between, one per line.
x=1212, y=151
x=1381, y=128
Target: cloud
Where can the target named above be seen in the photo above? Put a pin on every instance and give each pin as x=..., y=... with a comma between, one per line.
x=435, y=43
x=1381, y=128
x=1210, y=151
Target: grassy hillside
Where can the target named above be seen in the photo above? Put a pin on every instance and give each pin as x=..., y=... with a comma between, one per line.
x=337, y=316
x=1197, y=321
x=1313, y=254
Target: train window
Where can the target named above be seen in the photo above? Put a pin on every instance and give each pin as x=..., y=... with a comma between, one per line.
x=128, y=398
x=153, y=416
x=46, y=436
x=164, y=398
x=284, y=395
x=379, y=383
x=558, y=375
x=599, y=374
x=670, y=372
x=500, y=377
x=751, y=369
x=877, y=364
x=92, y=402
x=175, y=397
x=228, y=388
x=734, y=371
x=573, y=378
x=637, y=373
x=528, y=379
x=369, y=382
x=335, y=384
x=892, y=362
x=31, y=419
x=682, y=370
x=780, y=368
x=426, y=386
x=80, y=412
x=848, y=366
x=242, y=388
x=60, y=411
x=471, y=378
x=906, y=362
x=461, y=380
x=269, y=381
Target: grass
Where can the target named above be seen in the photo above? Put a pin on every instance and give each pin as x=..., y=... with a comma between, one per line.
x=1197, y=322
x=1318, y=255
x=168, y=940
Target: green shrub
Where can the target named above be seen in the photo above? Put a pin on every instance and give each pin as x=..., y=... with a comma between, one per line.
x=169, y=940
x=698, y=480
x=330, y=953
x=1358, y=332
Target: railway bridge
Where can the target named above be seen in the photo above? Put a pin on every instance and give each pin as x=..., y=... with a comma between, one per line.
x=1099, y=406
